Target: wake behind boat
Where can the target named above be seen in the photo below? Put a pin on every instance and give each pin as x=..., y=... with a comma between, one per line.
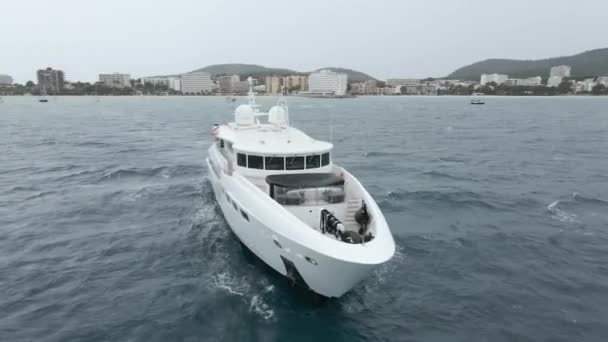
x=285, y=199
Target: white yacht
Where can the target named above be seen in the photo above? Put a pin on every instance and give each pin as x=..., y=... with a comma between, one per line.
x=285, y=199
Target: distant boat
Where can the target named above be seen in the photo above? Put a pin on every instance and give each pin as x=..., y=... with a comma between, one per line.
x=477, y=101
x=43, y=95
x=231, y=99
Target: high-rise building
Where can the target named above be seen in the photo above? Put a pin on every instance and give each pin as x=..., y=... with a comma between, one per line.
x=228, y=83
x=561, y=71
x=274, y=85
x=50, y=81
x=175, y=83
x=327, y=81
x=5, y=80
x=295, y=83
x=115, y=80
x=156, y=80
x=496, y=78
x=198, y=82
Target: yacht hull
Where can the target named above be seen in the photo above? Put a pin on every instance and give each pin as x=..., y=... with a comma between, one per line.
x=322, y=274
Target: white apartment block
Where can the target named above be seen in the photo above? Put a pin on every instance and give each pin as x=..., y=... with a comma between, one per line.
x=6, y=80
x=156, y=80
x=228, y=83
x=175, y=83
x=526, y=82
x=273, y=85
x=115, y=80
x=603, y=80
x=172, y=82
x=327, y=81
x=561, y=71
x=554, y=81
x=497, y=78
x=295, y=82
x=198, y=82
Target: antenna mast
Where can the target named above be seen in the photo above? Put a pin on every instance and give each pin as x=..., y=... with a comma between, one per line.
x=251, y=96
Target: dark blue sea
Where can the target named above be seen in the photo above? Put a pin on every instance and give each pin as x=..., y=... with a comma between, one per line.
x=109, y=230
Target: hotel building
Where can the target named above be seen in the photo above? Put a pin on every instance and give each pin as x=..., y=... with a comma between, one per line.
x=115, y=80
x=327, y=81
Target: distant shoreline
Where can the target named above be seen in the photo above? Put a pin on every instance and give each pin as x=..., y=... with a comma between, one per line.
x=312, y=97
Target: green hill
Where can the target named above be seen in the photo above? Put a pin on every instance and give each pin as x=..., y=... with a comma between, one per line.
x=259, y=71
x=353, y=75
x=246, y=70
x=589, y=63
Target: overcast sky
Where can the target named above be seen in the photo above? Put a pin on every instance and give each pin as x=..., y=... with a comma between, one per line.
x=382, y=38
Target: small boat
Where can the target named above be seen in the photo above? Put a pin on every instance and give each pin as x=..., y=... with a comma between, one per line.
x=43, y=100
x=289, y=204
x=231, y=99
x=476, y=100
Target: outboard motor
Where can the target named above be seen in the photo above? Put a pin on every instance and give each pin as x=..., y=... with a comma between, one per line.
x=362, y=218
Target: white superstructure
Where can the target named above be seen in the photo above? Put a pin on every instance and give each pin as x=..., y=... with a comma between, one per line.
x=327, y=81
x=285, y=199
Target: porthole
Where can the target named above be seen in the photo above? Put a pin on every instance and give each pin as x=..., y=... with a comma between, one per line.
x=277, y=243
x=311, y=260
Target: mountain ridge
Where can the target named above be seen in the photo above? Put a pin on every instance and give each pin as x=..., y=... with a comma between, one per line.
x=260, y=71
x=588, y=63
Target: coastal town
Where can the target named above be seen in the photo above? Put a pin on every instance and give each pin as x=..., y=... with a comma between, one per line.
x=321, y=83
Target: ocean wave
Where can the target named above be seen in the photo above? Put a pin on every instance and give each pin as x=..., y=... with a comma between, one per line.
x=437, y=174
x=41, y=194
x=397, y=199
x=253, y=298
x=373, y=154
x=162, y=171
x=93, y=143
x=579, y=209
x=560, y=214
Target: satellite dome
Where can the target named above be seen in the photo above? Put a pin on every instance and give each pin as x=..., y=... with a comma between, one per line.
x=244, y=115
x=278, y=115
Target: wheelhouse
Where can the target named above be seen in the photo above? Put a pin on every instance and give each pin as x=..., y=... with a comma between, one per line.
x=282, y=162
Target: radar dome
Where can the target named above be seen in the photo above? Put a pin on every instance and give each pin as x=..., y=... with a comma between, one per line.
x=278, y=115
x=244, y=115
